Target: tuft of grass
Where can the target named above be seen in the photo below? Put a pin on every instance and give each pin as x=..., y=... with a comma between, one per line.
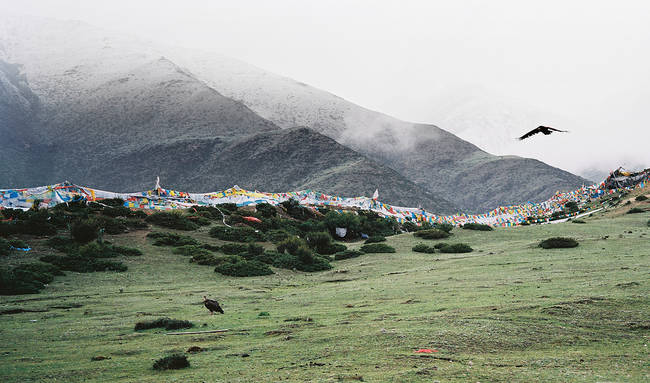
x=558, y=243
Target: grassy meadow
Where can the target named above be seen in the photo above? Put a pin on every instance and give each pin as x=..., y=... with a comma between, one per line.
x=507, y=312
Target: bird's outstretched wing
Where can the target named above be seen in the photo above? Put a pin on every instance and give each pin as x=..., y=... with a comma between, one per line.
x=556, y=130
x=532, y=132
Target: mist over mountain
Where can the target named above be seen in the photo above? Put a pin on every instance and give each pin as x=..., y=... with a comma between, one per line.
x=115, y=112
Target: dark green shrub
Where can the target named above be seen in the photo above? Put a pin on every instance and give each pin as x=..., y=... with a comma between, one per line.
x=431, y=234
x=649, y=222
x=439, y=245
x=375, y=239
x=477, y=226
x=213, y=260
x=641, y=198
x=291, y=245
x=5, y=247
x=227, y=208
x=422, y=248
x=111, y=225
x=456, y=248
x=254, y=249
x=558, y=243
x=63, y=244
x=139, y=214
x=237, y=234
x=349, y=221
x=243, y=268
x=173, y=220
x=83, y=265
x=166, y=323
x=277, y=235
x=117, y=211
x=377, y=248
x=266, y=210
x=635, y=210
x=191, y=250
x=127, y=251
x=321, y=242
x=172, y=362
x=18, y=244
x=135, y=223
x=171, y=239
x=233, y=248
x=294, y=210
x=198, y=219
x=97, y=250
x=84, y=231
x=346, y=254
x=114, y=202
x=578, y=221
x=210, y=247
x=14, y=283
x=312, y=225
x=446, y=227
x=34, y=227
x=374, y=225
x=268, y=257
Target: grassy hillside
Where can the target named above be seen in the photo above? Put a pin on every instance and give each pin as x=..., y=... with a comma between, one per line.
x=508, y=311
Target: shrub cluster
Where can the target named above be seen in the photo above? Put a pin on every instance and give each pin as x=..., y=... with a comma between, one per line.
x=240, y=267
x=422, y=248
x=295, y=210
x=455, y=248
x=477, y=226
x=173, y=220
x=322, y=243
x=377, y=248
x=578, y=221
x=5, y=247
x=237, y=234
x=172, y=362
x=27, y=278
x=84, y=231
x=171, y=239
x=83, y=265
x=166, y=323
x=375, y=239
x=558, y=243
x=635, y=210
x=266, y=210
x=346, y=254
x=294, y=253
x=641, y=198
x=191, y=251
x=431, y=234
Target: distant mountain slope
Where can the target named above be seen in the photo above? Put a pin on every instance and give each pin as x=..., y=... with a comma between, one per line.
x=82, y=73
x=118, y=127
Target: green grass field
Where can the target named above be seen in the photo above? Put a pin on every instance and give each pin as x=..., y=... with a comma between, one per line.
x=507, y=312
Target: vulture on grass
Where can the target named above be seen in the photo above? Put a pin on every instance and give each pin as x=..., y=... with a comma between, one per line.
x=541, y=129
x=212, y=305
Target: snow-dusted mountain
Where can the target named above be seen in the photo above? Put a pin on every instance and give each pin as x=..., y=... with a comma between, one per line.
x=121, y=94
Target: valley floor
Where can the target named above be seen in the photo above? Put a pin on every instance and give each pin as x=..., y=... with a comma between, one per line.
x=507, y=312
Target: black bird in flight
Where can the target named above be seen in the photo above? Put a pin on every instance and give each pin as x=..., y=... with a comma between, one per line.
x=541, y=129
x=212, y=305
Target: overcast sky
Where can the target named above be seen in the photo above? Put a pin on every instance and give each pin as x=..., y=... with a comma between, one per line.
x=586, y=60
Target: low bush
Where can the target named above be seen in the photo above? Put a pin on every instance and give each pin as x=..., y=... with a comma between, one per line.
x=322, y=243
x=97, y=250
x=266, y=210
x=237, y=234
x=477, y=226
x=635, y=210
x=110, y=225
x=456, y=248
x=349, y=221
x=171, y=239
x=172, y=362
x=84, y=231
x=127, y=251
x=431, y=234
x=571, y=207
x=422, y=248
x=277, y=235
x=377, y=248
x=27, y=278
x=173, y=220
x=291, y=245
x=213, y=260
x=641, y=198
x=135, y=223
x=578, y=221
x=375, y=239
x=233, y=248
x=294, y=210
x=558, y=243
x=191, y=251
x=83, y=265
x=374, y=225
x=117, y=211
x=114, y=202
x=198, y=219
x=166, y=323
x=18, y=244
x=63, y=244
x=346, y=254
x=5, y=247
x=296, y=254
x=243, y=268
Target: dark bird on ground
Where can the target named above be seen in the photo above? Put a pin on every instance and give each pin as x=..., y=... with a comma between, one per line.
x=212, y=305
x=541, y=129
